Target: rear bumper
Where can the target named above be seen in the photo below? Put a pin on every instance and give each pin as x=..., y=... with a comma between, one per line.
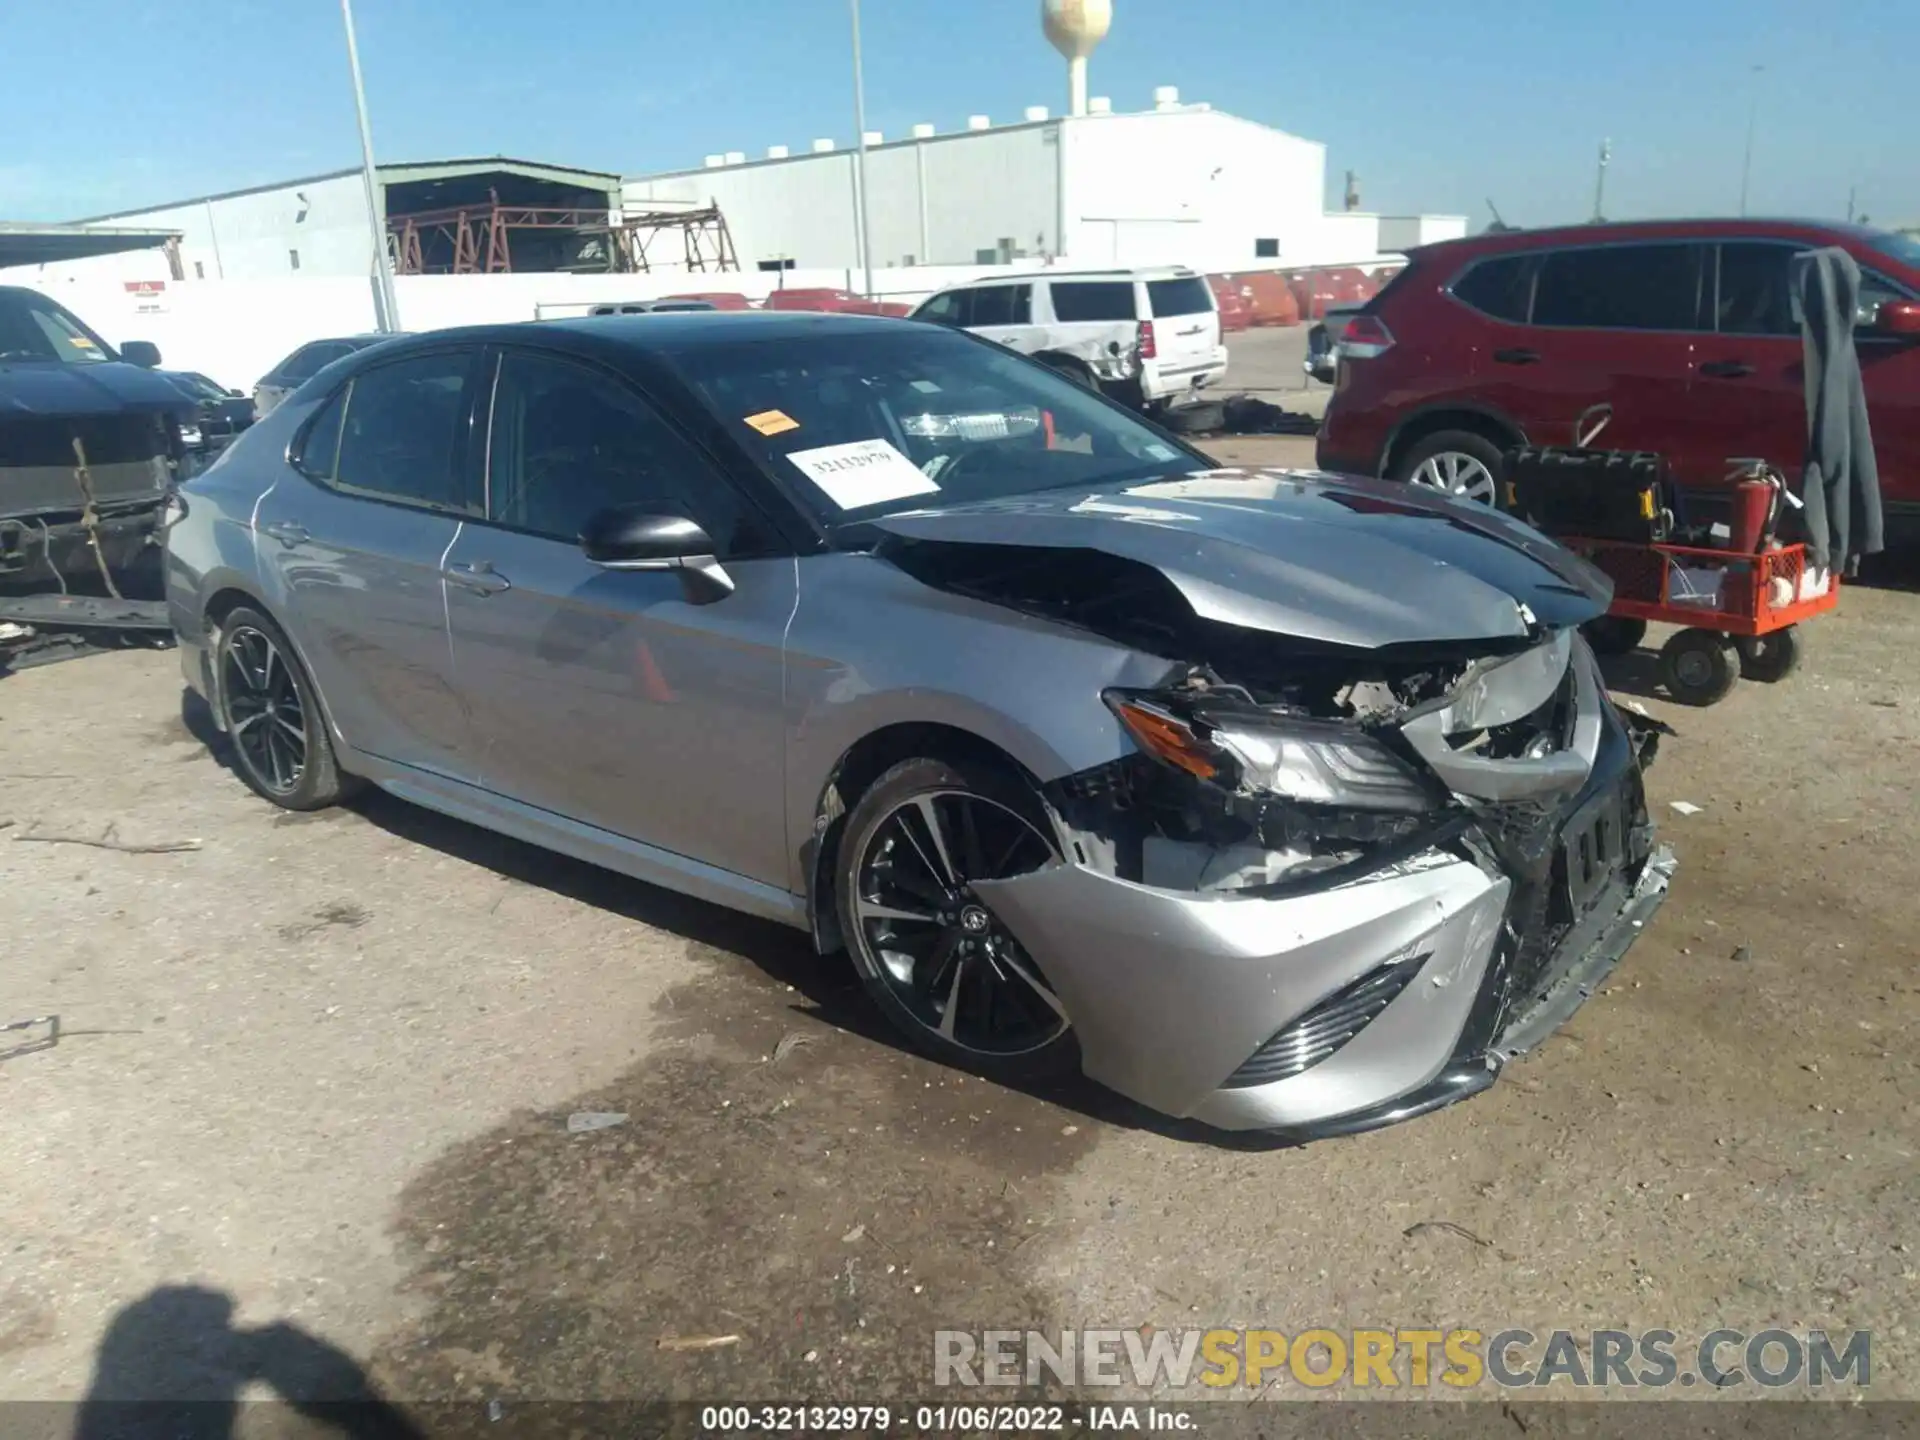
x=1348, y=444
x=1163, y=382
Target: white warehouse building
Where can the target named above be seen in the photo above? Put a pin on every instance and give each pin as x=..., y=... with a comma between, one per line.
x=1176, y=184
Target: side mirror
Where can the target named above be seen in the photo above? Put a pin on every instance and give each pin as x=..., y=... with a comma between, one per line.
x=1899, y=317
x=143, y=353
x=632, y=537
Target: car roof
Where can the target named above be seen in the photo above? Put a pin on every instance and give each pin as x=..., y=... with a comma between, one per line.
x=664, y=330
x=1618, y=231
x=1138, y=272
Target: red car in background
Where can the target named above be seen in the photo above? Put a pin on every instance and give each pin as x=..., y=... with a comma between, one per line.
x=1686, y=328
x=840, y=301
x=718, y=299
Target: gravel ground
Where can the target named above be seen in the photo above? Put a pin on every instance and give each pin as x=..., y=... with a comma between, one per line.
x=309, y=1113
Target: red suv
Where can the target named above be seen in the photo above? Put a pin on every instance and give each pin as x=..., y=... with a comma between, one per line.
x=1685, y=327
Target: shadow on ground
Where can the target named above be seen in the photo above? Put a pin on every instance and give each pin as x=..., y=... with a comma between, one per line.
x=173, y=1363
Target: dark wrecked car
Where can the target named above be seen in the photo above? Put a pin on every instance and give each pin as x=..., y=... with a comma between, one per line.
x=1274, y=800
x=90, y=441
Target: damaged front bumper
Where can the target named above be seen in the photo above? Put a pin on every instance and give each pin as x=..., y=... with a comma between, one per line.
x=1349, y=1001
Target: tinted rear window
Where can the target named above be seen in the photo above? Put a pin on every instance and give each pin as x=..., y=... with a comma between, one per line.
x=1093, y=300
x=1188, y=295
x=1502, y=287
x=1620, y=287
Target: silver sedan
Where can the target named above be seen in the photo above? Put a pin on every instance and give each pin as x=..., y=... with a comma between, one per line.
x=1273, y=800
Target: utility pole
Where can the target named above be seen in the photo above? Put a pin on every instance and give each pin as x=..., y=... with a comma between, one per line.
x=386, y=306
x=865, y=235
x=1600, y=182
x=1851, y=190
x=1753, y=119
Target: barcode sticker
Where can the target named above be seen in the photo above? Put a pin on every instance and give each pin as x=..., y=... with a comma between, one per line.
x=867, y=472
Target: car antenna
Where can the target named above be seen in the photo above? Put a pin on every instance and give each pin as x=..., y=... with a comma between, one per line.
x=1499, y=226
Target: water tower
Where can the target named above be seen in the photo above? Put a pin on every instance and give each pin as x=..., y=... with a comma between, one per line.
x=1075, y=27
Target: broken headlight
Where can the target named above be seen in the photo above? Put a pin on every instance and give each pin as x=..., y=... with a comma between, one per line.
x=1308, y=762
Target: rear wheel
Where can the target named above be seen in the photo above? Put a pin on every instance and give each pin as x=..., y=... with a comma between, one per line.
x=1768, y=658
x=269, y=709
x=929, y=949
x=1075, y=370
x=1457, y=463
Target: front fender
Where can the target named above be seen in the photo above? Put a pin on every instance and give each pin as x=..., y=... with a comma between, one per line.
x=871, y=648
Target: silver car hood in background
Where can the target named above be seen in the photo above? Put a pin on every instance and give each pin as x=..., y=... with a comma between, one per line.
x=1324, y=558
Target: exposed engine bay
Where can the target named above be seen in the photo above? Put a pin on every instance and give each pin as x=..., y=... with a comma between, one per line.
x=1263, y=761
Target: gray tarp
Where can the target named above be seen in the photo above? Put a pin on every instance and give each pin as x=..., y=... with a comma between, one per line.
x=1841, y=482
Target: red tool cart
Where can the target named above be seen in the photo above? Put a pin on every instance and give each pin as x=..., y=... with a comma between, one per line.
x=1708, y=563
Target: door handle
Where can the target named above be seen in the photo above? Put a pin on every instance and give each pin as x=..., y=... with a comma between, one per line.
x=288, y=532
x=1727, y=369
x=1516, y=357
x=480, y=578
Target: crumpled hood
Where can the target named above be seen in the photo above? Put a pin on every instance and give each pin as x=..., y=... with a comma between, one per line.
x=1327, y=558
x=51, y=389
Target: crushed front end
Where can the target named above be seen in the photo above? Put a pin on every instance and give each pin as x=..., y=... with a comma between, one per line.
x=1331, y=890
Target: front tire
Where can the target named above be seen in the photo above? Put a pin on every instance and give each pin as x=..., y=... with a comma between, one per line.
x=932, y=955
x=1698, y=667
x=271, y=713
x=1457, y=463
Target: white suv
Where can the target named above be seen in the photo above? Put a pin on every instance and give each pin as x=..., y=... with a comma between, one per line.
x=1146, y=337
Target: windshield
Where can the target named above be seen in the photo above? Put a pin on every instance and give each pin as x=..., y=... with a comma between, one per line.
x=873, y=424
x=1901, y=247
x=33, y=327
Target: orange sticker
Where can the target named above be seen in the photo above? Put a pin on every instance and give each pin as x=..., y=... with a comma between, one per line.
x=773, y=422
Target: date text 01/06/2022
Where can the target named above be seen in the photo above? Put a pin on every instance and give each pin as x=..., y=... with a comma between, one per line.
x=938, y=1419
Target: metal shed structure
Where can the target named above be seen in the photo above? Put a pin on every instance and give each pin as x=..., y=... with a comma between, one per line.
x=24, y=243
x=533, y=217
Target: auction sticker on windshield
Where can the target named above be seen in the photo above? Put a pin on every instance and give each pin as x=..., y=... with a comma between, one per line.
x=867, y=472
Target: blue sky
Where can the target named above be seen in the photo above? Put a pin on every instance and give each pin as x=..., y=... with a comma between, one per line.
x=1437, y=104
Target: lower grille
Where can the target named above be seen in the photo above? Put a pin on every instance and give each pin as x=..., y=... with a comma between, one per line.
x=1324, y=1029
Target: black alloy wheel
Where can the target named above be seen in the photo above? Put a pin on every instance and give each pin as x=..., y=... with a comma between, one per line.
x=269, y=711
x=929, y=948
x=264, y=713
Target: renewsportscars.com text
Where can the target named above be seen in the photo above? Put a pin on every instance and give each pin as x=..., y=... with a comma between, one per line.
x=1455, y=1358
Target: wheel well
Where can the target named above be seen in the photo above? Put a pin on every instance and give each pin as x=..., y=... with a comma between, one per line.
x=1474, y=422
x=866, y=761
x=224, y=603
x=1060, y=357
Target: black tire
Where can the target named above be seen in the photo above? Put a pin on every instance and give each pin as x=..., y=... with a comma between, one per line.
x=1444, y=443
x=1199, y=419
x=1614, y=634
x=257, y=675
x=1769, y=658
x=1698, y=667
x=1075, y=370
x=970, y=997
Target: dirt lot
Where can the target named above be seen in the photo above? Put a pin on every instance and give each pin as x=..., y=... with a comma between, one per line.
x=310, y=1109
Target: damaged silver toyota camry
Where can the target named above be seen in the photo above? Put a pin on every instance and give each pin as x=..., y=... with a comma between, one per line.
x=1272, y=800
